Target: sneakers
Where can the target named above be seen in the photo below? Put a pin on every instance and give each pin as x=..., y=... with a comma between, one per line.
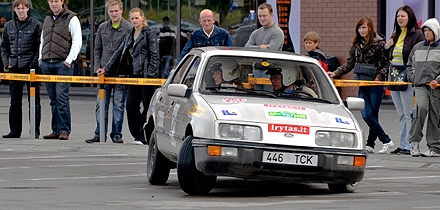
x=386, y=147
x=139, y=141
x=404, y=152
x=414, y=149
x=430, y=153
x=369, y=149
x=117, y=139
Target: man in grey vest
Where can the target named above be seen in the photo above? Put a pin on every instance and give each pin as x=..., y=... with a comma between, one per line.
x=61, y=41
x=108, y=37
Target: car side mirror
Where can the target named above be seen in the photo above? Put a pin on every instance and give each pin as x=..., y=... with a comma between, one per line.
x=177, y=90
x=354, y=103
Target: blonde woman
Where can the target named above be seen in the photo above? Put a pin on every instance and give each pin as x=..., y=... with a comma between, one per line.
x=136, y=57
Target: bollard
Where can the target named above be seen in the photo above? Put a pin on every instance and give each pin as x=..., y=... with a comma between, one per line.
x=32, y=103
x=101, y=109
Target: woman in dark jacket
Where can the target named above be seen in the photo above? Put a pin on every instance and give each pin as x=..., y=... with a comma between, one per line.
x=137, y=57
x=368, y=47
x=407, y=33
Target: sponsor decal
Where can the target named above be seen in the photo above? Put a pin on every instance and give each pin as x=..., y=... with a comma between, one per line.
x=287, y=114
x=234, y=100
x=197, y=111
x=284, y=106
x=284, y=128
x=228, y=113
x=341, y=121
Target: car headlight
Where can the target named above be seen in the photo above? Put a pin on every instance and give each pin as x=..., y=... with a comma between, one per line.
x=240, y=132
x=335, y=139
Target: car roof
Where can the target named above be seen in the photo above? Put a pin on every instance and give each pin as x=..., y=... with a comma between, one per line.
x=240, y=51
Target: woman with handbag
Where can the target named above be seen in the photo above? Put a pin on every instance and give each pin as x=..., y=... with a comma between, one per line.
x=367, y=51
x=407, y=33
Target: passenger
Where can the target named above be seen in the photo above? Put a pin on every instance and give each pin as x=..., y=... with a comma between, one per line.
x=228, y=75
x=286, y=81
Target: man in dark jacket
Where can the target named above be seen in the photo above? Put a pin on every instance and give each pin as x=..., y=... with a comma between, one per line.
x=167, y=43
x=19, y=50
x=108, y=37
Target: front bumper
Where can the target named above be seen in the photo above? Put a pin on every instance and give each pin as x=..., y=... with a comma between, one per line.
x=248, y=163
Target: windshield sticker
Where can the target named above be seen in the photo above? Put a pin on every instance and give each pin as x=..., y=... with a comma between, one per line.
x=283, y=128
x=197, y=111
x=284, y=106
x=234, y=100
x=288, y=115
x=228, y=113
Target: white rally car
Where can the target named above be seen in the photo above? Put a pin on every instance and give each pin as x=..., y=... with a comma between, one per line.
x=216, y=116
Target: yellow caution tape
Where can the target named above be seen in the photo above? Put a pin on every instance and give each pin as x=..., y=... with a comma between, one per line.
x=158, y=82
x=82, y=79
x=356, y=83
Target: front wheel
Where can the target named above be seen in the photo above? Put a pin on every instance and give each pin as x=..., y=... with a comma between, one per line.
x=191, y=180
x=158, y=166
x=343, y=188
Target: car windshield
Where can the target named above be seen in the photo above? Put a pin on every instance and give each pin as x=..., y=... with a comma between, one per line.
x=275, y=78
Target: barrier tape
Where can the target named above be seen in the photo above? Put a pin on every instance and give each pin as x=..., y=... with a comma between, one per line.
x=82, y=79
x=159, y=82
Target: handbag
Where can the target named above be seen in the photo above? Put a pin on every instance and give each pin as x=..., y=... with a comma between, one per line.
x=397, y=73
x=364, y=71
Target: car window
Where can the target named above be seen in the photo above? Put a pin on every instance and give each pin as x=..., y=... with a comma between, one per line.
x=177, y=76
x=189, y=77
x=288, y=78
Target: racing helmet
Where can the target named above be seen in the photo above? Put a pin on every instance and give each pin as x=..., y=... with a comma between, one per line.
x=229, y=69
x=289, y=74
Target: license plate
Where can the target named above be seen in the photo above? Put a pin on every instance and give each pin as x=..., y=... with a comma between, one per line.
x=290, y=158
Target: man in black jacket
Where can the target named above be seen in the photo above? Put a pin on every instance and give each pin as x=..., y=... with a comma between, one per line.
x=19, y=50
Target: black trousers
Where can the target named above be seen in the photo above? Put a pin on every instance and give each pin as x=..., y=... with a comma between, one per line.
x=135, y=117
x=16, y=108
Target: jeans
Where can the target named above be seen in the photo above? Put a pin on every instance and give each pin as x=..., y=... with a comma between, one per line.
x=373, y=99
x=166, y=62
x=119, y=96
x=403, y=101
x=136, y=119
x=59, y=97
x=16, y=108
x=262, y=74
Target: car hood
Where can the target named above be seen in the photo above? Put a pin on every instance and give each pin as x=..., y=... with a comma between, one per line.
x=280, y=111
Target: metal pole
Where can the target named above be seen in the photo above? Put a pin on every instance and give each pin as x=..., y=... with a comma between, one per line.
x=101, y=109
x=32, y=103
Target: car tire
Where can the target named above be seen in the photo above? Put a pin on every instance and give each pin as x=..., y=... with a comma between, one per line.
x=343, y=188
x=158, y=166
x=191, y=180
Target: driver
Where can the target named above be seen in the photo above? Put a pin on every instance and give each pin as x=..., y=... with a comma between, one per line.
x=286, y=81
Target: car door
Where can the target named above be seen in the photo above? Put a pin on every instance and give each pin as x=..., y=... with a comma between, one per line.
x=180, y=106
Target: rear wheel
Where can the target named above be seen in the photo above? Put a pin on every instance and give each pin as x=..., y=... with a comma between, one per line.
x=343, y=188
x=191, y=180
x=158, y=166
